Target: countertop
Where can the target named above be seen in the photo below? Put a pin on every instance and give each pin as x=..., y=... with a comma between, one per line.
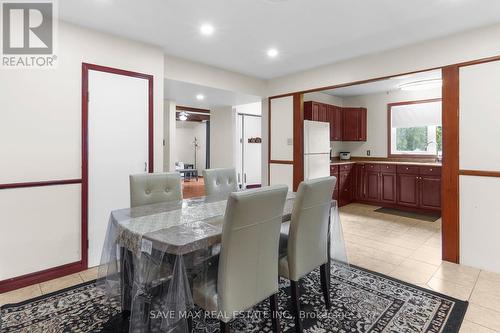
x=339, y=162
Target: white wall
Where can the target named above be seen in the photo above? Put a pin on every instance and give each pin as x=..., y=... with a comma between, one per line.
x=40, y=135
x=376, y=105
x=222, y=137
x=323, y=98
x=265, y=142
x=471, y=45
x=185, y=133
x=250, y=108
x=281, y=141
x=205, y=75
x=479, y=119
x=169, y=147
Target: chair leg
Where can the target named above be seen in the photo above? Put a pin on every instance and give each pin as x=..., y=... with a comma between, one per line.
x=190, y=322
x=294, y=286
x=325, y=284
x=224, y=327
x=273, y=300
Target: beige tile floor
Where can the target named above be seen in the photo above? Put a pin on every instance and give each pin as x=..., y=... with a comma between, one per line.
x=410, y=250
x=404, y=248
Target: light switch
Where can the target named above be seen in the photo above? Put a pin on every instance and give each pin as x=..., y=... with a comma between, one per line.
x=289, y=141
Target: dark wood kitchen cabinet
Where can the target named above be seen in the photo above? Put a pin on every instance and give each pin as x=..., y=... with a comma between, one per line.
x=353, y=124
x=430, y=187
x=399, y=186
x=335, y=119
x=388, y=187
x=344, y=189
x=372, y=179
x=346, y=183
x=360, y=192
x=346, y=124
x=408, y=190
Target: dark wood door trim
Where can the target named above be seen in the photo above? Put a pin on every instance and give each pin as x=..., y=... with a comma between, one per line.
x=449, y=173
x=298, y=140
x=86, y=67
x=280, y=162
x=479, y=173
x=40, y=184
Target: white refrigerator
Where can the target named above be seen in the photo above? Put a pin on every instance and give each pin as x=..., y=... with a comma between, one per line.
x=316, y=149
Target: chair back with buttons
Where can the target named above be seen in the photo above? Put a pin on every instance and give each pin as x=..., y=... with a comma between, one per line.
x=220, y=181
x=308, y=235
x=248, y=263
x=151, y=188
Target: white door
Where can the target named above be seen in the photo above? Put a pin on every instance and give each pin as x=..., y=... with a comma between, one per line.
x=117, y=147
x=251, y=150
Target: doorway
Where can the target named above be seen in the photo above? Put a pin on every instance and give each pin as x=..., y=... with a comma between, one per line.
x=248, y=164
x=117, y=141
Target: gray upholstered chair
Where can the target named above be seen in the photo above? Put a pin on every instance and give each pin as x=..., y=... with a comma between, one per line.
x=305, y=247
x=247, y=272
x=218, y=181
x=151, y=188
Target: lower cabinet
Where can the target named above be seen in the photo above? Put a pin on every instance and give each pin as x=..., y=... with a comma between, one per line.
x=344, y=190
x=404, y=186
x=408, y=190
x=430, y=192
x=372, y=179
x=388, y=187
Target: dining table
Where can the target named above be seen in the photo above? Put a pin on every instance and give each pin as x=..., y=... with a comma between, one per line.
x=153, y=254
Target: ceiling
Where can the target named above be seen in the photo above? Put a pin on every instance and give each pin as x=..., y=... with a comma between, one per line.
x=306, y=33
x=382, y=85
x=184, y=94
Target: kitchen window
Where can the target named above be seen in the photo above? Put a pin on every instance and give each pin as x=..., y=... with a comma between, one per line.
x=415, y=129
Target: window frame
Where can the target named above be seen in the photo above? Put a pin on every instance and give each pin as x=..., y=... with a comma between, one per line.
x=389, y=128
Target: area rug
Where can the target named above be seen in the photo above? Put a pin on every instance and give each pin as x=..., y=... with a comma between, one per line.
x=362, y=301
x=424, y=217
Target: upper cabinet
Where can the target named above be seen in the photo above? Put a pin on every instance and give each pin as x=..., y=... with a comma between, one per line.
x=346, y=124
x=354, y=124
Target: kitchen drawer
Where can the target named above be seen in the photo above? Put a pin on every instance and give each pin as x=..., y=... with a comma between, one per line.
x=388, y=168
x=334, y=170
x=372, y=167
x=409, y=169
x=345, y=167
x=430, y=170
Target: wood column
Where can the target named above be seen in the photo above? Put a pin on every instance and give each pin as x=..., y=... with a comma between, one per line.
x=298, y=140
x=450, y=170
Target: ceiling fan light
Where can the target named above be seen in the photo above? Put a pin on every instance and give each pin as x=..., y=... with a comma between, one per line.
x=183, y=116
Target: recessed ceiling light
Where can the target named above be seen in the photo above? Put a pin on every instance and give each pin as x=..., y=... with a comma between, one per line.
x=207, y=29
x=200, y=97
x=272, y=53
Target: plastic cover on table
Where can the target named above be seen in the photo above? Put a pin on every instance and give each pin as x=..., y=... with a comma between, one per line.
x=153, y=253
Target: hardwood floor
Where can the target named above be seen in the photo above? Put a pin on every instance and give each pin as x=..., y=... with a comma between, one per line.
x=193, y=188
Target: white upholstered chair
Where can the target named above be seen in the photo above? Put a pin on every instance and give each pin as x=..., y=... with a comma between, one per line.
x=218, y=181
x=247, y=272
x=305, y=247
x=151, y=188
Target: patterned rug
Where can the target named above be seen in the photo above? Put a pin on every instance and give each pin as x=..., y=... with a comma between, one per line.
x=362, y=301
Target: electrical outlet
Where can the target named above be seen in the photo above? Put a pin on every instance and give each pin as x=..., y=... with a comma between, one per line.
x=368, y=152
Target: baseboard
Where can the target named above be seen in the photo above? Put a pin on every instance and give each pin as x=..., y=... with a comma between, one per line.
x=40, y=276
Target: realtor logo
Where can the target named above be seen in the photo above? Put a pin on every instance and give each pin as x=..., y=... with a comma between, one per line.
x=28, y=34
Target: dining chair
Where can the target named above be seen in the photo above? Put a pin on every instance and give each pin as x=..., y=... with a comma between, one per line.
x=220, y=181
x=305, y=247
x=151, y=188
x=247, y=271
